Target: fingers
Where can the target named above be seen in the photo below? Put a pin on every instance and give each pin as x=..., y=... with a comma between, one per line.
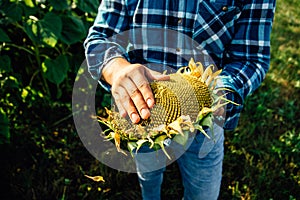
x=140, y=104
x=140, y=94
x=124, y=104
x=143, y=90
x=132, y=92
x=133, y=106
x=153, y=75
x=147, y=94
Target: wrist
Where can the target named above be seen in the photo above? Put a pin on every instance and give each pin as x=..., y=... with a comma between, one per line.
x=112, y=67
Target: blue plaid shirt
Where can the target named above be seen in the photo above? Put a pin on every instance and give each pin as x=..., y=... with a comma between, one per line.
x=234, y=33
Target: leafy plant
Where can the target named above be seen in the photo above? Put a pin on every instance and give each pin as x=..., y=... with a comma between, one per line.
x=40, y=53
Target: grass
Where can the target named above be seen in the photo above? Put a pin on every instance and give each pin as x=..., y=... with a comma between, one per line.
x=262, y=156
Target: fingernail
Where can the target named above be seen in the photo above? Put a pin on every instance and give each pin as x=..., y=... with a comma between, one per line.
x=145, y=113
x=150, y=103
x=123, y=114
x=135, y=118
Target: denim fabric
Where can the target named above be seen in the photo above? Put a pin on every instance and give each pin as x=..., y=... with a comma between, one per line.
x=200, y=166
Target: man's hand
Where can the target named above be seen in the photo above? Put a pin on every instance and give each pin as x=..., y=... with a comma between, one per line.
x=130, y=87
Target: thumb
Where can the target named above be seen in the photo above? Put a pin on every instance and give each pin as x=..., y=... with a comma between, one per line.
x=153, y=75
x=161, y=77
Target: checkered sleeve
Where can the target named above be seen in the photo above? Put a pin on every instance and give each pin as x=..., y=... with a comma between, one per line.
x=248, y=56
x=103, y=42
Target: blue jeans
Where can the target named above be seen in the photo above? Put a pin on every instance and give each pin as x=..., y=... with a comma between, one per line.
x=200, y=166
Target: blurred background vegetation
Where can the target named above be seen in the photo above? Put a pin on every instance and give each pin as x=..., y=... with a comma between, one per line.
x=42, y=156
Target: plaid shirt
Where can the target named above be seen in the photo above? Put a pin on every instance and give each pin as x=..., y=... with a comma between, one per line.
x=234, y=33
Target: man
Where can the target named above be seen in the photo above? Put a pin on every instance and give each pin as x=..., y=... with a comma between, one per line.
x=235, y=34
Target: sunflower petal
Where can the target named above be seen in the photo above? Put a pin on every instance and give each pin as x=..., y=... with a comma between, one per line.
x=95, y=178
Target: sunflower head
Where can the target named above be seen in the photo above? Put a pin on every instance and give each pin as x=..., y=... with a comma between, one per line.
x=182, y=104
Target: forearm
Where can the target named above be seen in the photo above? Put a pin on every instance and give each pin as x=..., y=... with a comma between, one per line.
x=244, y=77
x=240, y=80
x=247, y=58
x=105, y=40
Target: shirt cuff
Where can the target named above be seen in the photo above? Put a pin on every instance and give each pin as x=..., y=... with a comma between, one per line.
x=99, y=55
x=232, y=110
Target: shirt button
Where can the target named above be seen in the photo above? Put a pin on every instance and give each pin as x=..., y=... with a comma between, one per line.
x=225, y=8
x=179, y=21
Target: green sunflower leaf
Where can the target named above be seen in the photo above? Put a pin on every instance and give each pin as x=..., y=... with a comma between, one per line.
x=182, y=139
x=160, y=141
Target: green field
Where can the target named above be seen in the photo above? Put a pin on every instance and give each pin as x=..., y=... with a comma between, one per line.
x=42, y=156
